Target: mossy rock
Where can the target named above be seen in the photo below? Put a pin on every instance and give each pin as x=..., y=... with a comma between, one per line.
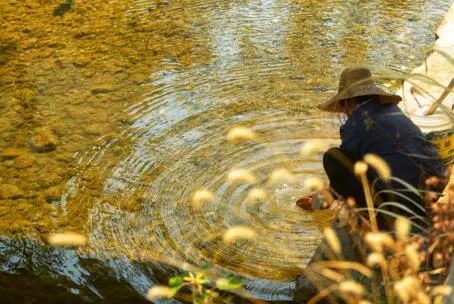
x=43, y=140
x=8, y=191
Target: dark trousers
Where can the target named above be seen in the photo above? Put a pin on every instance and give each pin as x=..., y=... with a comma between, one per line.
x=339, y=169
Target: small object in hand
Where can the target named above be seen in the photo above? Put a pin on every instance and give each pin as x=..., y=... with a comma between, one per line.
x=312, y=202
x=305, y=203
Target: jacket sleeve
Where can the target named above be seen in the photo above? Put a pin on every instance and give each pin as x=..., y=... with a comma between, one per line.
x=351, y=137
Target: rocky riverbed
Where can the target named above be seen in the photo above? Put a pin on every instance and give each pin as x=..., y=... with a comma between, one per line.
x=112, y=113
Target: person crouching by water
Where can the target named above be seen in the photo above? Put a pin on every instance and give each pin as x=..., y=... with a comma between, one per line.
x=376, y=125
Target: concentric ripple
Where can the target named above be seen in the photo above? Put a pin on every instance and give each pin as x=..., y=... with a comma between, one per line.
x=268, y=64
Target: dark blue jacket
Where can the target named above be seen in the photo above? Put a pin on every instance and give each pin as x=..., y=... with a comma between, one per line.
x=384, y=130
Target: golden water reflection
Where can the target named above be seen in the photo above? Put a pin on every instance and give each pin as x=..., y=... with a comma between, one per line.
x=114, y=113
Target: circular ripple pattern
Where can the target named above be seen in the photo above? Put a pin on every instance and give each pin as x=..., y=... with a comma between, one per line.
x=268, y=64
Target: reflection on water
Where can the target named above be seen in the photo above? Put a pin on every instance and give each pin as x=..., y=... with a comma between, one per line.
x=136, y=101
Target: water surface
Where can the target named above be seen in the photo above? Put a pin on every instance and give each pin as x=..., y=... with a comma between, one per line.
x=136, y=99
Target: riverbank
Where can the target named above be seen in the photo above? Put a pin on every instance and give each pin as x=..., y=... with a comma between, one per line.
x=419, y=93
x=428, y=82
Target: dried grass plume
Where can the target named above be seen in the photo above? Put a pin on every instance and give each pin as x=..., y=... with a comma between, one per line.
x=380, y=165
x=312, y=147
x=403, y=226
x=256, y=195
x=313, y=184
x=201, y=197
x=378, y=240
x=333, y=240
x=360, y=168
x=240, y=134
x=69, y=239
x=236, y=233
x=281, y=176
x=351, y=287
x=158, y=292
x=237, y=176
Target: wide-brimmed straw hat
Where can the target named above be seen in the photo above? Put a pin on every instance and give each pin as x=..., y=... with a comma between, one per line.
x=355, y=82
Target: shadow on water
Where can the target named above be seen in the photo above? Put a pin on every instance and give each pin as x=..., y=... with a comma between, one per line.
x=36, y=273
x=144, y=126
x=33, y=273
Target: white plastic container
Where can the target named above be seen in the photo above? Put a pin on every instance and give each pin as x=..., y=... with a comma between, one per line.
x=438, y=127
x=420, y=93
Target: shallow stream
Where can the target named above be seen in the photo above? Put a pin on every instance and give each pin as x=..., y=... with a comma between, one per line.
x=113, y=114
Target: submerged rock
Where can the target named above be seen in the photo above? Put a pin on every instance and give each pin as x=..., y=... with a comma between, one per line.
x=63, y=8
x=11, y=153
x=24, y=161
x=95, y=129
x=48, y=179
x=102, y=88
x=43, y=141
x=82, y=61
x=139, y=78
x=8, y=191
x=162, y=4
x=53, y=194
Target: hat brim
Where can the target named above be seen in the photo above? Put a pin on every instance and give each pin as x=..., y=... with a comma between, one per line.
x=333, y=104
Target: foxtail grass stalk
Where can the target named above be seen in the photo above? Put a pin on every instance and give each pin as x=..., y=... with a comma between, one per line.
x=367, y=194
x=347, y=265
x=323, y=293
x=361, y=170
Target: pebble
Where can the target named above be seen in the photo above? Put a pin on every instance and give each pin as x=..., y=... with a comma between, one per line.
x=103, y=88
x=49, y=179
x=139, y=78
x=24, y=161
x=78, y=113
x=11, y=153
x=42, y=141
x=95, y=129
x=162, y=4
x=53, y=194
x=126, y=119
x=81, y=62
x=8, y=191
x=5, y=124
x=5, y=103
